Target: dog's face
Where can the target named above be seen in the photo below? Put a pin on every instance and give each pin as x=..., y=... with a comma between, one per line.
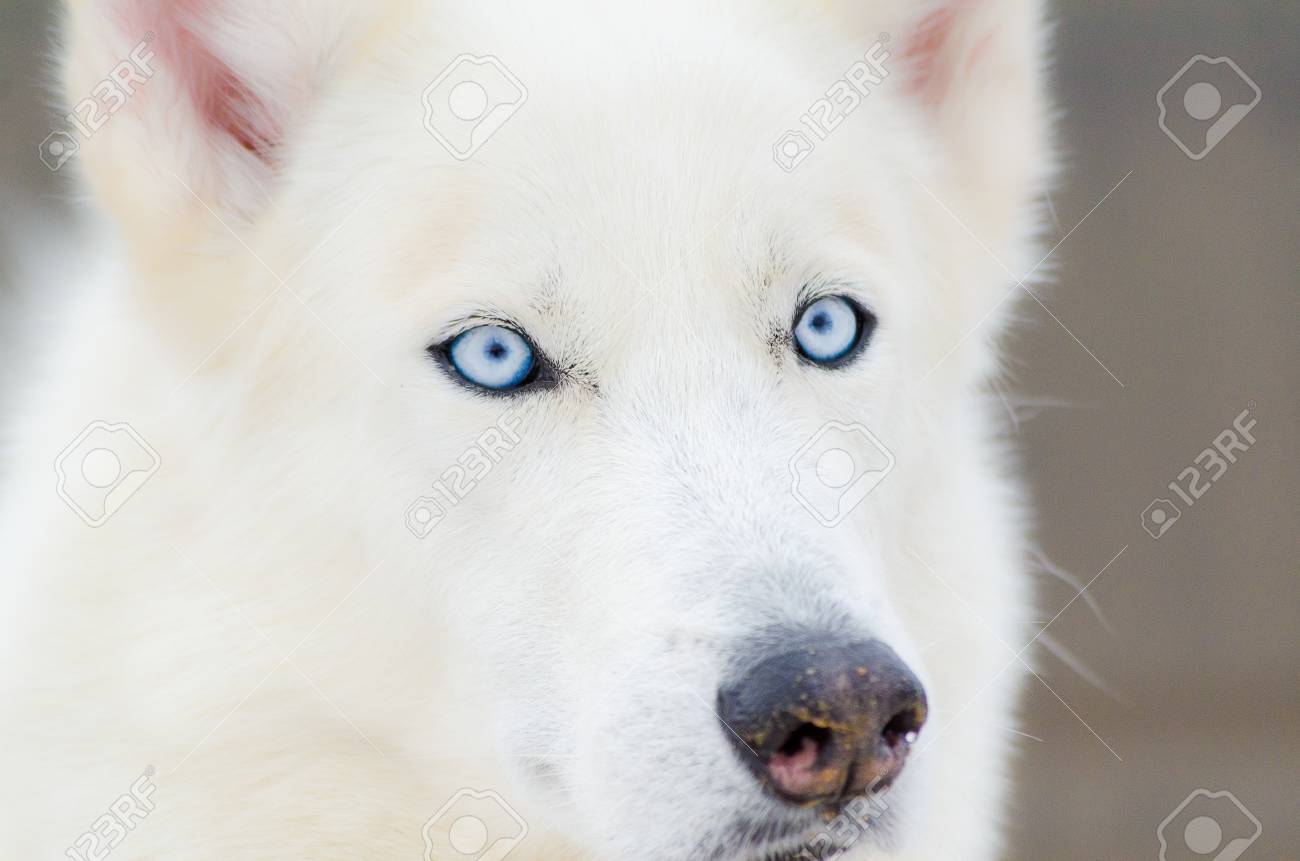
x=630, y=387
x=663, y=421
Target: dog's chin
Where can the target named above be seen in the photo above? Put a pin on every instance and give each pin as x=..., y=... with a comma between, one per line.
x=806, y=838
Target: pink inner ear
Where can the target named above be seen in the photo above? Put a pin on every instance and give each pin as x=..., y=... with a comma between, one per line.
x=924, y=46
x=219, y=96
x=930, y=50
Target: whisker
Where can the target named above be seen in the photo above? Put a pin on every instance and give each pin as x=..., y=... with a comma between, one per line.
x=1084, y=672
x=1069, y=579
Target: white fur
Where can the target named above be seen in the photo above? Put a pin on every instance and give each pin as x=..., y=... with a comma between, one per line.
x=560, y=638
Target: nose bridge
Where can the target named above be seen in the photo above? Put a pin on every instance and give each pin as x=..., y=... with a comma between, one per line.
x=712, y=424
x=709, y=456
x=702, y=438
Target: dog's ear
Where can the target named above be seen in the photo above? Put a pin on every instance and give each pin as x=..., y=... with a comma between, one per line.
x=185, y=105
x=975, y=68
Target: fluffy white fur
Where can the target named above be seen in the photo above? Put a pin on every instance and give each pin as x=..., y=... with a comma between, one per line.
x=312, y=681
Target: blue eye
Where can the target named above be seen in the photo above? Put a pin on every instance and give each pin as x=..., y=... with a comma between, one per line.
x=492, y=357
x=831, y=329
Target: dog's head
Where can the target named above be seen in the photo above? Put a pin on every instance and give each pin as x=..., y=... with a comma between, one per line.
x=648, y=343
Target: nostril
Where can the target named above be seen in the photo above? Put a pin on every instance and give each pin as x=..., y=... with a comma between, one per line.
x=896, y=739
x=903, y=728
x=805, y=737
x=794, y=767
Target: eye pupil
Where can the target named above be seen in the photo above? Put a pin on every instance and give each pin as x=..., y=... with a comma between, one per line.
x=831, y=329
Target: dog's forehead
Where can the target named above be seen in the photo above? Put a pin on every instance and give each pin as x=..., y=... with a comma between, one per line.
x=639, y=172
x=628, y=199
x=654, y=124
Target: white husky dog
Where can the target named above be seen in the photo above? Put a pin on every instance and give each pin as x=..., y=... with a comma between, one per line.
x=549, y=431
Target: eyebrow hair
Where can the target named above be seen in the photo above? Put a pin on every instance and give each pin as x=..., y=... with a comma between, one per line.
x=483, y=317
x=548, y=295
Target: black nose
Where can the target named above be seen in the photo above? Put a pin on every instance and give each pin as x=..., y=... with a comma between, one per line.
x=824, y=722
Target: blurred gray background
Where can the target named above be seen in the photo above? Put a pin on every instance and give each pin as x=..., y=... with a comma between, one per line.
x=1186, y=284
x=1183, y=291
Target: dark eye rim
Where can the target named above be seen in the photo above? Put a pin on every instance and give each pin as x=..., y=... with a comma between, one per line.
x=542, y=375
x=865, y=319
